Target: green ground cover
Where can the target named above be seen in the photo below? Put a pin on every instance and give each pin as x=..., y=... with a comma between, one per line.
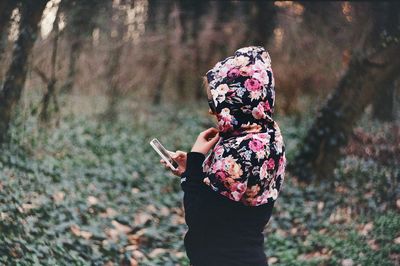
x=93, y=193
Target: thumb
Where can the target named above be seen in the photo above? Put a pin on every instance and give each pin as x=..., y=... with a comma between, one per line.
x=214, y=139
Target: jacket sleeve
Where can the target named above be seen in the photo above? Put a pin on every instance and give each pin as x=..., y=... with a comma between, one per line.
x=197, y=196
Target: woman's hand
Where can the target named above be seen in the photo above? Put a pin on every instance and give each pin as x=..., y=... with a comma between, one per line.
x=206, y=140
x=180, y=157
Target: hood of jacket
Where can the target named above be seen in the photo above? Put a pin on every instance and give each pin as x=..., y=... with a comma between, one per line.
x=248, y=162
x=242, y=88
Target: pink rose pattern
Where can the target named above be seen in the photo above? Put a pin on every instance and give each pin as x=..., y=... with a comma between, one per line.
x=248, y=162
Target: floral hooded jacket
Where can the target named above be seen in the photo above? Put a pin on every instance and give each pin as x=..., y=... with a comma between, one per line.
x=248, y=162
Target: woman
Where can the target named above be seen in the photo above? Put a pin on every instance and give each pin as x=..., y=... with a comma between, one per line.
x=229, y=194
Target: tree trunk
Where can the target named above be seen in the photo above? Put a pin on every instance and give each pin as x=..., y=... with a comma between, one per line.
x=372, y=67
x=113, y=64
x=51, y=82
x=396, y=101
x=74, y=54
x=383, y=105
x=166, y=57
x=6, y=8
x=262, y=22
x=113, y=91
x=361, y=84
x=163, y=75
x=31, y=13
x=81, y=19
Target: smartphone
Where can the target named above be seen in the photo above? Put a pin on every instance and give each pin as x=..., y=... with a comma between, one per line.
x=159, y=148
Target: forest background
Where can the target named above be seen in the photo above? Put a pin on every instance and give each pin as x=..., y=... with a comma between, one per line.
x=85, y=85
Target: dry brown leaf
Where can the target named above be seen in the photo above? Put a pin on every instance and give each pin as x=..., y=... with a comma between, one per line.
x=341, y=215
x=121, y=227
x=133, y=262
x=92, y=200
x=347, y=262
x=4, y=216
x=28, y=206
x=164, y=211
x=131, y=247
x=156, y=252
x=137, y=254
x=151, y=208
x=272, y=260
x=322, y=231
x=281, y=232
x=320, y=205
x=112, y=233
x=180, y=254
x=341, y=189
x=325, y=251
x=58, y=196
x=137, y=238
x=86, y=234
x=108, y=213
x=366, y=228
x=75, y=229
x=141, y=218
x=177, y=219
x=372, y=244
x=313, y=255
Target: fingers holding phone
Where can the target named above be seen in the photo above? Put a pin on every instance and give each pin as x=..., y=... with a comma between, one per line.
x=180, y=157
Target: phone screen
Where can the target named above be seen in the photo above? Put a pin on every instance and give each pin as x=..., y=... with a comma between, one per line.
x=165, y=152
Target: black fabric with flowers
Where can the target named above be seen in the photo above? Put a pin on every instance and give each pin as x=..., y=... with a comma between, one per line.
x=230, y=193
x=247, y=164
x=221, y=232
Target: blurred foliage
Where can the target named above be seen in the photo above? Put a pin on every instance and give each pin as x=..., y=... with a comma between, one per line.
x=93, y=193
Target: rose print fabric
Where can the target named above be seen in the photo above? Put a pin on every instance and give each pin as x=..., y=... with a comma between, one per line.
x=248, y=162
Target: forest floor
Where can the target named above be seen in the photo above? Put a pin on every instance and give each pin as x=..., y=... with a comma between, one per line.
x=90, y=192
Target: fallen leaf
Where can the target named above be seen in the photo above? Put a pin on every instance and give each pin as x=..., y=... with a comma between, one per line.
x=121, y=227
x=131, y=247
x=164, y=211
x=180, y=254
x=151, y=208
x=313, y=255
x=92, y=200
x=108, y=213
x=347, y=262
x=156, y=252
x=137, y=254
x=272, y=260
x=366, y=228
x=372, y=244
x=138, y=237
x=58, y=196
x=112, y=233
x=133, y=262
x=75, y=229
x=282, y=233
x=320, y=205
x=141, y=218
x=177, y=219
